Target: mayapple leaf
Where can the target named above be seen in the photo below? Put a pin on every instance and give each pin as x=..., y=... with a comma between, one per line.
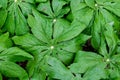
x=84, y=60
x=15, y=54
x=62, y=32
x=90, y=3
x=11, y=69
x=5, y=41
x=98, y=72
x=3, y=3
x=113, y=7
x=2, y=17
x=42, y=28
x=40, y=0
x=56, y=69
x=54, y=9
x=0, y=76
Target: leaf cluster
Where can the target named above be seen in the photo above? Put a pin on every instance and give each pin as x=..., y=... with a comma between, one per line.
x=59, y=40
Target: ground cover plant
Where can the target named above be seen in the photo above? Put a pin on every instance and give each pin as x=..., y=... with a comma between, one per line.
x=59, y=39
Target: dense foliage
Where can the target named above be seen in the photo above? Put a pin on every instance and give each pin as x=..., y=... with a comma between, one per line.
x=59, y=39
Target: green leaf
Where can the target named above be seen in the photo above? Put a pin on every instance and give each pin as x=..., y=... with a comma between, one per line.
x=90, y=3
x=73, y=45
x=77, y=5
x=41, y=0
x=103, y=47
x=101, y=1
x=59, y=27
x=1, y=77
x=45, y=8
x=11, y=69
x=97, y=30
x=30, y=43
x=79, y=9
x=30, y=1
x=21, y=23
x=56, y=69
x=113, y=7
x=116, y=58
x=58, y=7
x=2, y=17
x=15, y=54
x=87, y=56
x=112, y=18
x=114, y=74
x=85, y=60
x=42, y=28
x=110, y=36
x=26, y=7
x=96, y=73
x=27, y=40
x=54, y=9
x=10, y=23
x=74, y=30
x=77, y=77
x=3, y=3
x=33, y=66
x=5, y=41
x=39, y=75
x=65, y=57
x=17, y=12
x=31, y=21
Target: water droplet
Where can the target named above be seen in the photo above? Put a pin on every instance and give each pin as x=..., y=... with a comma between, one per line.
x=51, y=47
x=15, y=0
x=96, y=5
x=108, y=60
x=54, y=20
